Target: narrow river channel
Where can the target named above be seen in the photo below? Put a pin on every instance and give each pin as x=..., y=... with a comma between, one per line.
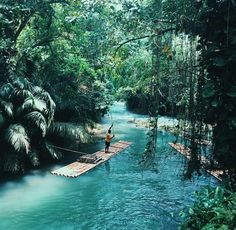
x=116, y=195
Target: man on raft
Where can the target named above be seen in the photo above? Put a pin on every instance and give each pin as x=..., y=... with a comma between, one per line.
x=108, y=139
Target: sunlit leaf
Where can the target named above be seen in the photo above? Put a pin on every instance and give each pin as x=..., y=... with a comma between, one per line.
x=17, y=137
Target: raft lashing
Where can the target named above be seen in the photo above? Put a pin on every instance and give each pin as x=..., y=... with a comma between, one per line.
x=90, y=161
x=204, y=161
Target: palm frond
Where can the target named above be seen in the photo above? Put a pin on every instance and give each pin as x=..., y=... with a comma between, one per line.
x=36, y=90
x=6, y=108
x=45, y=96
x=53, y=153
x=36, y=119
x=22, y=95
x=2, y=120
x=32, y=104
x=6, y=91
x=22, y=83
x=18, y=83
x=40, y=106
x=17, y=137
x=34, y=157
x=70, y=131
x=48, y=99
x=26, y=107
x=27, y=84
x=11, y=163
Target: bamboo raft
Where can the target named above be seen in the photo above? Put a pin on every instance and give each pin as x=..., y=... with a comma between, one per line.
x=90, y=161
x=204, y=161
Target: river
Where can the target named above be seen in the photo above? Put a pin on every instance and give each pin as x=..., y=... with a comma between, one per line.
x=116, y=195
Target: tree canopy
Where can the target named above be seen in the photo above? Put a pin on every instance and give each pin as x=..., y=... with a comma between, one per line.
x=163, y=57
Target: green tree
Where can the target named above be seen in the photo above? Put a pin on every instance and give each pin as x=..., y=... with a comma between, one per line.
x=26, y=114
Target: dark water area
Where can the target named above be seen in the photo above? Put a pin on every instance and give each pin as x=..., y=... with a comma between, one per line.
x=115, y=195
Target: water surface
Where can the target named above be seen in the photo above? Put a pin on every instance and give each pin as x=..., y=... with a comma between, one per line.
x=115, y=195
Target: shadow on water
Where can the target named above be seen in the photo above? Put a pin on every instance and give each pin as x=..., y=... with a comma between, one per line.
x=115, y=195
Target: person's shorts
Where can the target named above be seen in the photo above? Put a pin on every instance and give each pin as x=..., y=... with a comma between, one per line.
x=107, y=144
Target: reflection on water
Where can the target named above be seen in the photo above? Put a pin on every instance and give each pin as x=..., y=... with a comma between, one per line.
x=115, y=195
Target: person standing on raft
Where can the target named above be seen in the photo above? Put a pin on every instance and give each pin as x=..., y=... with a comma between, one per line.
x=108, y=139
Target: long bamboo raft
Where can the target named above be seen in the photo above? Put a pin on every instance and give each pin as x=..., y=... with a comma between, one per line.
x=204, y=161
x=90, y=161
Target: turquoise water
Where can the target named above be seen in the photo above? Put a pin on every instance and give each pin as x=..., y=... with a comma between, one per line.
x=115, y=195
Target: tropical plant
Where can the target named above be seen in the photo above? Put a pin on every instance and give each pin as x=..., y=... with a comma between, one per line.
x=26, y=113
x=217, y=82
x=215, y=208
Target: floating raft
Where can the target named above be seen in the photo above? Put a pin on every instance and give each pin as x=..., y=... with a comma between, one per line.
x=77, y=168
x=186, y=152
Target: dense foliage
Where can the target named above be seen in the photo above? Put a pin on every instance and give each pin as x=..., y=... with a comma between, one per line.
x=216, y=28
x=49, y=44
x=26, y=114
x=213, y=209
x=41, y=41
x=163, y=57
x=188, y=74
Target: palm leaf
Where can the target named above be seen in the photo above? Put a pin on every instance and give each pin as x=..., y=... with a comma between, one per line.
x=17, y=137
x=52, y=152
x=27, y=84
x=11, y=163
x=36, y=90
x=34, y=157
x=32, y=104
x=6, y=108
x=22, y=83
x=18, y=83
x=70, y=131
x=2, y=120
x=6, y=91
x=51, y=106
x=22, y=95
x=26, y=107
x=40, y=106
x=37, y=120
x=45, y=96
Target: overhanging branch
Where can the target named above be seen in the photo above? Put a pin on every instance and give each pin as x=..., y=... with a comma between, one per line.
x=160, y=32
